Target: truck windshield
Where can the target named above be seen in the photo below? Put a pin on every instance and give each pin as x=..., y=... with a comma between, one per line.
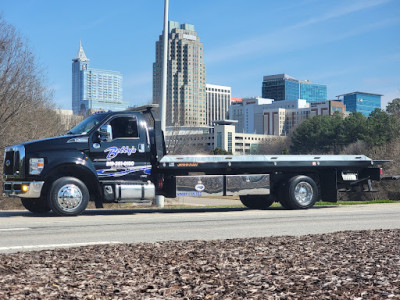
x=86, y=125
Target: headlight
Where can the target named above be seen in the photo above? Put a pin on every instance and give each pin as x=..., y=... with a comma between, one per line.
x=36, y=166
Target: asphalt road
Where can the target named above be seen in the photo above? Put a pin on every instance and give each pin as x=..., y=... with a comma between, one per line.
x=23, y=231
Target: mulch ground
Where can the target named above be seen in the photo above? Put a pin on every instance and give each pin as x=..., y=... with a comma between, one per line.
x=345, y=265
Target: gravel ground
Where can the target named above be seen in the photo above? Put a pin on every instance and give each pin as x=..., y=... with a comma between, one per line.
x=345, y=265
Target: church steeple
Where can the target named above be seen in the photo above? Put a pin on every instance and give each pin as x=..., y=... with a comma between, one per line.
x=81, y=56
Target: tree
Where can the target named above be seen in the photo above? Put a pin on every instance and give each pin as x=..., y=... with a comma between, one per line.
x=356, y=128
x=393, y=107
x=220, y=151
x=185, y=140
x=382, y=128
x=319, y=134
x=23, y=94
x=276, y=145
x=26, y=107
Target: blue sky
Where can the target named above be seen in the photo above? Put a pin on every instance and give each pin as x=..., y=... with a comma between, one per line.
x=348, y=45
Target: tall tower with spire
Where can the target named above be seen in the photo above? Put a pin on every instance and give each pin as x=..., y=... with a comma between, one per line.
x=94, y=89
x=80, y=63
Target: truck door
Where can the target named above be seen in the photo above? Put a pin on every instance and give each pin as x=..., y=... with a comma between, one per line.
x=124, y=155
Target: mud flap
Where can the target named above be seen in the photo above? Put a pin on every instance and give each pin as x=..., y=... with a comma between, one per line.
x=328, y=183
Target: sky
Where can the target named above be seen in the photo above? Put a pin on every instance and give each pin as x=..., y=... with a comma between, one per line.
x=348, y=45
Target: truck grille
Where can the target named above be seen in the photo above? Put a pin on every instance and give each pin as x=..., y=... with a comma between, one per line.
x=14, y=162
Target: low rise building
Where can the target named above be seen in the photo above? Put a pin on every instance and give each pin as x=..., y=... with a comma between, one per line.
x=264, y=116
x=249, y=114
x=223, y=135
x=282, y=119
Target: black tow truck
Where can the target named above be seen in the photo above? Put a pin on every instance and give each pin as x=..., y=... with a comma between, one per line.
x=115, y=157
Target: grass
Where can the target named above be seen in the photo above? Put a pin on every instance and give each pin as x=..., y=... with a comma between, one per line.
x=320, y=203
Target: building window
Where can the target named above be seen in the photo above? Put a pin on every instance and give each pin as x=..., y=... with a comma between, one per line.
x=230, y=141
x=219, y=139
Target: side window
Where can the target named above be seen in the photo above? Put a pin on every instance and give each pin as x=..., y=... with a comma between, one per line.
x=124, y=127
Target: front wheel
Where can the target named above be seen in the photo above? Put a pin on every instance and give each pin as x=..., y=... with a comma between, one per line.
x=68, y=196
x=257, y=201
x=36, y=205
x=301, y=192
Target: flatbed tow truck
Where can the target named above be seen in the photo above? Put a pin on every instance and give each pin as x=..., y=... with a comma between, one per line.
x=115, y=157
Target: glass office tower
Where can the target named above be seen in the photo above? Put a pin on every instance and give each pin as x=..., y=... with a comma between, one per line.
x=313, y=92
x=284, y=87
x=95, y=89
x=280, y=87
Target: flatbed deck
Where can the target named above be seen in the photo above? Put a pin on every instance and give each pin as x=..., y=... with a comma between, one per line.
x=170, y=162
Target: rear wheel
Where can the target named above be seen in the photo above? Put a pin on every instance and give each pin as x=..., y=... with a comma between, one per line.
x=301, y=192
x=36, y=205
x=257, y=201
x=68, y=196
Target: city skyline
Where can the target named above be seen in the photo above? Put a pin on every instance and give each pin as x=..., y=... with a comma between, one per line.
x=348, y=46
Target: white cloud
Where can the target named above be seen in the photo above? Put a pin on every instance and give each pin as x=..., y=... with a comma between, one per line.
x=274, y=43
x=340, y=11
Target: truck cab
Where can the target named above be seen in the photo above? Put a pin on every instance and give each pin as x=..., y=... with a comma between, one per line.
x=105, y=158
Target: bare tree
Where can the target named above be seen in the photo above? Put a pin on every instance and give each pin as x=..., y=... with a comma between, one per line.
x=20, y=84
x=25, y=101
x=184, y=140
x=276, y=145
x=26, y=107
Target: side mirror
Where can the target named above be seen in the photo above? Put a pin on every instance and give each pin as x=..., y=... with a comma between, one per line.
x=105, y=133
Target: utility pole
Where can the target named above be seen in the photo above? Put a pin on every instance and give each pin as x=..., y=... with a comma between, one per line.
x=163, y=108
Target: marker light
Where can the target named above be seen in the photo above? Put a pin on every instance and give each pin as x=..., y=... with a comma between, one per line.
x=24, y=188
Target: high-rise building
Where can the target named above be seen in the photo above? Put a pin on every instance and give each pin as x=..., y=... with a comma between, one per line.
x=186, y=77
x=312, y=92
x=284, y=87
x=361, y=102
x=218, y=101
x=94, y=89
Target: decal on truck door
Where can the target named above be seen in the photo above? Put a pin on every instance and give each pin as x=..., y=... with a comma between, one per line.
x=116, y=173
x=114, y=151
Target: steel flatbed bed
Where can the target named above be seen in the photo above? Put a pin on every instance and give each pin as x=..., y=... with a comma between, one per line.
x=266, y=162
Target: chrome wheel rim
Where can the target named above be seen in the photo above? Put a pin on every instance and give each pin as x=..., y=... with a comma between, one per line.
x=69, y=197
x=303, y=193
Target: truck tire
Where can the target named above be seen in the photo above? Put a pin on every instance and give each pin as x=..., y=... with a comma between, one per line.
x=257, y=201
x=68, y=196
x=301, y=192
x=36, y=205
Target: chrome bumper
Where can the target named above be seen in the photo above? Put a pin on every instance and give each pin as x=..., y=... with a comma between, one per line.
x=22, y=189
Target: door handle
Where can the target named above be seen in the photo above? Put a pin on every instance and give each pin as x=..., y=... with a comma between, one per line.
x=141, y=148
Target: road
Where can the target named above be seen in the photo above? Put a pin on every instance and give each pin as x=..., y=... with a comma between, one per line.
x=22, y=231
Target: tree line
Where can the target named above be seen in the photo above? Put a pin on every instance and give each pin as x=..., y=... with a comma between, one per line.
x=332, y=134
